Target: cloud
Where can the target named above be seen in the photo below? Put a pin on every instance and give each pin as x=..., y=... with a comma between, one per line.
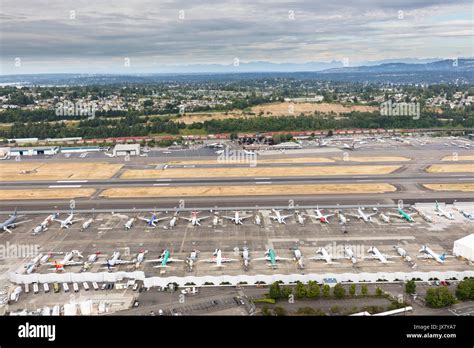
x=65, y=35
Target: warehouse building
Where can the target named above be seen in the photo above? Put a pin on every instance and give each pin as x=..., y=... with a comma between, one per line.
x=126, y=149
x=34, y=151
x=464, y=247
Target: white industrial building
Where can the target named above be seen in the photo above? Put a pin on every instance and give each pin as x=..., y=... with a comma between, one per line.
x=464, y=247
x=126, y=149
x=33, y=151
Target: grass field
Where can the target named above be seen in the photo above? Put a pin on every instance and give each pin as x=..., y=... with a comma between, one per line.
x=57, y=171
x=247, y=190
x=451, y=168
x=465, y=187
x=257, y=172
x=45, y=193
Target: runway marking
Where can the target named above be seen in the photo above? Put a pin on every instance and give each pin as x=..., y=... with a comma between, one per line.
x=164, y=179
x=64, y=186
x=465, y=178
x=366, y=180
x=263, y=182
x=161, y=184
x=330, y=239
x=262, y=178
x=70, y=181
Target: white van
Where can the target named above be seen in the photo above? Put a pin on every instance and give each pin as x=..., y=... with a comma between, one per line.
x=75, y=287
x=65, y=287
x=86, y=286
x=95, y=286
x=46, y=287
x=35, y=288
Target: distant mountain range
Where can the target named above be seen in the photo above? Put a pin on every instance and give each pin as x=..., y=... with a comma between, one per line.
x=405, y=71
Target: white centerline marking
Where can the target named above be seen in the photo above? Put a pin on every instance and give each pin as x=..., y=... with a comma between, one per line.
x=164, y=179
x=263, y=182
x=64, y=186
x=262, y=178
x=70, y=181
x=161, y=184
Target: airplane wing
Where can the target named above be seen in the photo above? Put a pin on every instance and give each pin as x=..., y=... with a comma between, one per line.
x=273, y=217
x=228, y=217
x=329, y=215
x=185, y=218
x=424, y=256
x=286, y=216
x=395, y=215
x=17, y=223
x=354, y=215
x=317, y=258
x=209, y=260
x=161, y=219
x=143, y=219
x=204, y=217
x=278, y=258
x=266, y=258
x=245, y=217
x=174, y=260
x=74, y=263
x=76, y=220
x=227, y=259
x=369, y=215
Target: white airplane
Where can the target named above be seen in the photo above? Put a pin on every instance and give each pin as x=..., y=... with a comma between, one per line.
x=350, y=254
x=404, y=255
x=33, y=264
x=140, y=257
x=342, y=219
x=319, y=216
x=427, y=253
x=215, y=220
x=258, y=220
x=246, y=257
x=129, y=224
x=362, y=216
x=11, y=222
x=90, y=260
x=153, y=220
x=385, y=218
x=423, y=215
x=43, y=226
x=298, y=257
x=376, y=254
x=5, y=157
x=115, y=260
x=192, y=259
x=218, y=259
x=67, y=260
x=324, y=255
x=194, y=219
x=68, y=221
x=173, y=221
x=86, y=224
x=271, y=256
x=215, y=145
x=111, y=155
x=237, y=219
x=441, y=212
x=278, y=217
x=219, y=152
x=300, y=218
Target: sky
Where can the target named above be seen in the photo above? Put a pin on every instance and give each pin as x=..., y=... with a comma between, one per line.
x=125, y=36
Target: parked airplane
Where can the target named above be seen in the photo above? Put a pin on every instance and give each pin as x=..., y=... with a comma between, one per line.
x=218, y=259
x=129, y=224
x=173, y=221
x=194, y=219
x=90, y=260
x=165, y=258
x=86, y=224
x=237, y=219
x=298, y=257
x=271, y=256
x=324, y=255
x=215, y=145
x=384, y=218
x=342, y=219
x=258, y=219
x=5, y=157
x=11, y=222
x=115, y=260
x=67, y=260
x=152, y=220
x=246, y=258
x=376, y=254
x=467, y=215
x=441, y=212
x=430, y=254
x=404, y=215
x=68, y=221
x=423, y=215
x=140, y=257
x=278, y=217
x=191, y=259
x=43, y=226
x=402, y=252
x=322, y=218
x=350, y=254
x=362, y=216
x=215, y=220
x=300, y=218
x=33, y=264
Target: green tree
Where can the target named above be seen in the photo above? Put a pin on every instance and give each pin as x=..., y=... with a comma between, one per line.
x=410, y=287
x=266, y=310
x=364, y=290
x=326, y=290
x=339, y=291
x=279, y=311
x=439, y=297
x=465, y=290
x=352, y=290
x=275, y=291
x=378, y=291
x=313, y=290
x=300, y=290
x=286, y=291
